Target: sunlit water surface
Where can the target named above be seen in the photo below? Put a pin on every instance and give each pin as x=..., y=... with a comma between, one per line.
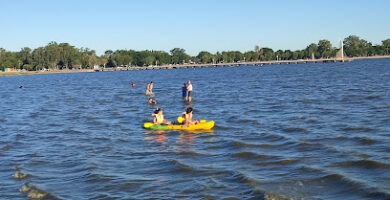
x=302, y=131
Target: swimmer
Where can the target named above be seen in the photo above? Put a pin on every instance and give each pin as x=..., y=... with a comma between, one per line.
x=152, y=101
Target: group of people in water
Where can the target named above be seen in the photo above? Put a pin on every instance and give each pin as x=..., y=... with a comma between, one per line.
x=149, y=93
x=158, y=116
x=187, y=91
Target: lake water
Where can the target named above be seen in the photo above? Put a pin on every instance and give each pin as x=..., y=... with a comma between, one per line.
x=301, y=131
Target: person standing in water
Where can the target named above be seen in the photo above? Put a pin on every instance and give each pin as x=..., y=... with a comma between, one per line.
x=147, y=89
x=151, y=87
x=189, y=91
x=184, y=92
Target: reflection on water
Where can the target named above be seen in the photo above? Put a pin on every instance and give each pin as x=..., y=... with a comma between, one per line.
x=305, y=131
x=157, y=136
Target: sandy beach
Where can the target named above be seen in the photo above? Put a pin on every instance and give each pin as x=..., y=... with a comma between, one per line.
x=14, y=73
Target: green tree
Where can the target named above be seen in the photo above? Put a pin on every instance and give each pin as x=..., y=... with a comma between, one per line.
x=179, y=56
x=312, y=51
x=205, y=57
x=386, y=46
x=352, y=46
x=25, y=55
x=324, y=48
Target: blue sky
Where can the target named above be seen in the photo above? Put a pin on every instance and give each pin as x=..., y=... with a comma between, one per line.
x=195, y=25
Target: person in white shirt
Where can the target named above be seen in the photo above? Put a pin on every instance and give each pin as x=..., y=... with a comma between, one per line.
x=189, y=91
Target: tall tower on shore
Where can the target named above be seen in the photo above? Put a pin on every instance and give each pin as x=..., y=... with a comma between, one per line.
x=342, y=50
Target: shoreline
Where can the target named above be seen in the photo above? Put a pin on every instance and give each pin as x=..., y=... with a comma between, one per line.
x=16, y=73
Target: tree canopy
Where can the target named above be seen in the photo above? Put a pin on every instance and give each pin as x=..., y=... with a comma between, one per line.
x=66, y=56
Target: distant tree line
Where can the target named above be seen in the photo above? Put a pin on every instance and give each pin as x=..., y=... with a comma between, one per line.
x=66, y=56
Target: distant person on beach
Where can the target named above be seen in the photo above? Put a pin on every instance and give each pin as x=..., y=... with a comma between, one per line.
x=132, y=84
x=184, y=92
x=152, y=101
x=189, y=91
x=159, y=117
x=187, y=115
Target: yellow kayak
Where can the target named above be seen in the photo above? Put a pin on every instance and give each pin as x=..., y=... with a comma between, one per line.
x=203, y=125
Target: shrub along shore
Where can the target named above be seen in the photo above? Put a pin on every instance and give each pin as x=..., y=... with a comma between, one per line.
x=65, y=58
x=57, y=71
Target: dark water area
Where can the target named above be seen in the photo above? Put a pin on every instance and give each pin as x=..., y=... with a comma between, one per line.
x=300, y=131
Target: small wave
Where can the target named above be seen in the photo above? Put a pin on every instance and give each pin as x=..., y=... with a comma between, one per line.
x=373, y=97
x=35, y=193
x=252, y=121
x=71, y=131
x=242, y=178
x=183, y=167
x=365, y=141
x=232, y=119
x=350, y=98
x=280, y=162
x=5, y=148
x=19, y=175
x=248, y=145
x=219, y=127
x=243, y=144
x=310, y=101
x=272, y=196
x=90, y=118
x=332, y=178
x=274, y=137
x=312, y=121
x=189, y=153
x=298, y=130
x=251, y=155
x=128, y=186
x=102, y=102
x=357, y=129
x=351, y=185
x=98, y=178
x=53, y=125
x=368, y=164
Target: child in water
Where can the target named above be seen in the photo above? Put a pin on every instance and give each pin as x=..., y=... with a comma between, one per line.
x=159, y=117
x=187, y=115
x=152, y=101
